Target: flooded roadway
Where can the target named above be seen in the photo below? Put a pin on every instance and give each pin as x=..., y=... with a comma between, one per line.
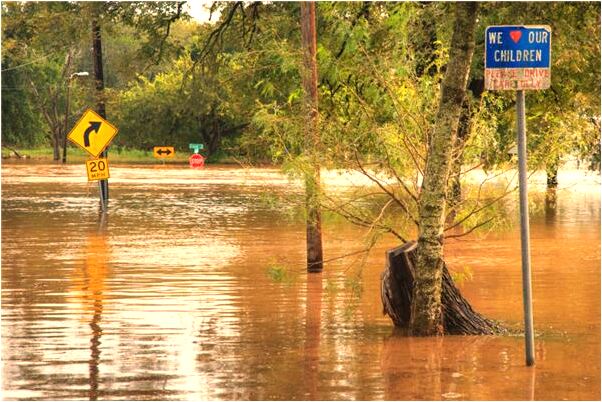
x=171, y=297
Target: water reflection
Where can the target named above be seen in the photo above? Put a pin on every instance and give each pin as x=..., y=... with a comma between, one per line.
x=400, y=381
x=90, y=289
x=550, y=205
x=456, y=367
x=171, y=300
x=313, y=321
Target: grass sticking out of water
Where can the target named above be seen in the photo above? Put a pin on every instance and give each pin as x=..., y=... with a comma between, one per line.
x=331, y=288
x=116, y=154
x=460, y=277
x=280, y=274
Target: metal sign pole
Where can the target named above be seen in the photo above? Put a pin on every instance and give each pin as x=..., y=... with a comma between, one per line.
x=524, y=226
x=103, y=186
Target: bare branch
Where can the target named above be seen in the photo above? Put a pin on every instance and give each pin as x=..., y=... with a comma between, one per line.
x=41, y=105
x=366, y=250
x=478, y=197
x=476, y=210
x=360, y=221
x=172, y=19
x=380, y=215
x=399, y=180
x=475, y=167
x=382, y=187
x=219, y=31
x=468, y=231
x=358, y=198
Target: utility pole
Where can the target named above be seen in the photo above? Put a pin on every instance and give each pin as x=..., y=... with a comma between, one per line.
x=100, y=103
x=309, y=75
x=67, y=103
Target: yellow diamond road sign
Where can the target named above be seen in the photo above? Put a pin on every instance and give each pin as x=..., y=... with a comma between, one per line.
x=92, y=133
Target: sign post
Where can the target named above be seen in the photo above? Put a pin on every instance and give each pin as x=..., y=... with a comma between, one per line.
x=518, y=58
x=196, y=160
x=196, y=147
x=93, y=134
x=97, y=169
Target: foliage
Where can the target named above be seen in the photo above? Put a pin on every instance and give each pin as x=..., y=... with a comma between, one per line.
x=21, y=124
x=235, y=84
x=459, y=277
x=564, y=120
x=44, y=42
x=280, y=274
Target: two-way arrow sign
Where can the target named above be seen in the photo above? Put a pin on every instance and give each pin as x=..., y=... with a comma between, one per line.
x=164, y=152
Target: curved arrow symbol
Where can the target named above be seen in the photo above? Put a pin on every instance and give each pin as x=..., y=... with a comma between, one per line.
x=94, y=126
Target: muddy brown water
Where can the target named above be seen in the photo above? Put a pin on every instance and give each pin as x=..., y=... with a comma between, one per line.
x=171, y=297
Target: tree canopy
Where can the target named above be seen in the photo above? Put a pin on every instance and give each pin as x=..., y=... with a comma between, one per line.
x=234, y=84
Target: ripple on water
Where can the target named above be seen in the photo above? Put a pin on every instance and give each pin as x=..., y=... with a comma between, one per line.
x=172, y=298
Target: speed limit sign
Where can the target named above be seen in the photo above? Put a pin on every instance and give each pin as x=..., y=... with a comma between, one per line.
x=98, y=169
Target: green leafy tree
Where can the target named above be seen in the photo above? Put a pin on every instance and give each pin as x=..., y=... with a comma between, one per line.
x=564, y=120
x=49, y=41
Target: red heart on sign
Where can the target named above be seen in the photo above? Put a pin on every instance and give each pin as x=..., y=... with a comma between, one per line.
x=515, y=35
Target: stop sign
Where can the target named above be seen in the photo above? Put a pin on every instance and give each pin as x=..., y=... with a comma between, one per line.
x=196, y=161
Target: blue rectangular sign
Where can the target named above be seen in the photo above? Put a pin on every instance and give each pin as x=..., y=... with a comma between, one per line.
x=517, y=46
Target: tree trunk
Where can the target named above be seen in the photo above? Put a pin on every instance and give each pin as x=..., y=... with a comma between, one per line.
x=66, y=125
x=476, y=87
x=68, y=79
x=309, y=75
x=55, y=144
x=397, y=283
x=426, y=301
x=552, y=174
x=14, y=151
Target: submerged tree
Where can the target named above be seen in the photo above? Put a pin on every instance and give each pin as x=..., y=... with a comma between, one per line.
x=309, y=73
x=426, y=308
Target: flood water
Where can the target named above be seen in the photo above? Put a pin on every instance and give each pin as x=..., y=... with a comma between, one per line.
x=171, y=297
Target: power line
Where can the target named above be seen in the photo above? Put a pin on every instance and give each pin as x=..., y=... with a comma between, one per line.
x=26, y=64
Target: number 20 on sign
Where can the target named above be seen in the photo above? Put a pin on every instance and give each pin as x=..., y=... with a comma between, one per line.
x=98, y=169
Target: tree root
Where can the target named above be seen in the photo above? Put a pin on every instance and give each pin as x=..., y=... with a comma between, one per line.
x=397, y=282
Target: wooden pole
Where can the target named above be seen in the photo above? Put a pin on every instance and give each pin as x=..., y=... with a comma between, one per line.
x=309, y=77
x=100, y=103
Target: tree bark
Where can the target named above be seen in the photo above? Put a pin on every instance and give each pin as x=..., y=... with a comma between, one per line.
x=66, y=128
x=552, y=174
x=309, y=75
x=67, y=79
x=397, y=283
x=476, y=87
x=55, y=144
x=426, y=301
